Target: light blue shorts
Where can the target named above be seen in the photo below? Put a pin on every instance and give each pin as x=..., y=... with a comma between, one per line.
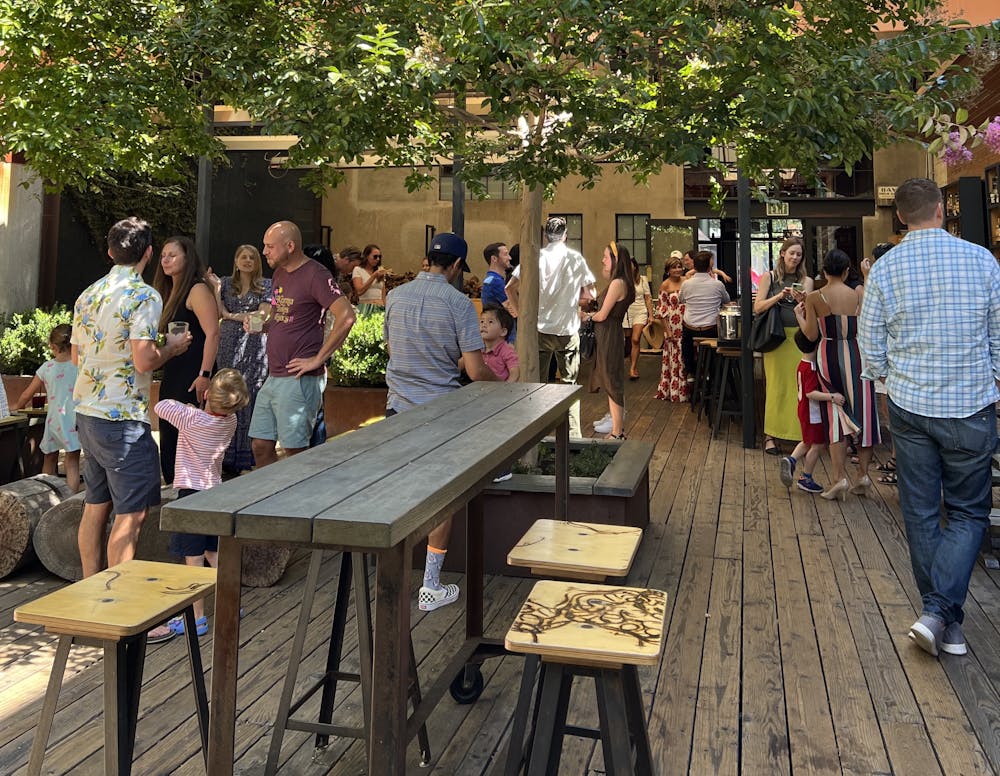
x=286, y=409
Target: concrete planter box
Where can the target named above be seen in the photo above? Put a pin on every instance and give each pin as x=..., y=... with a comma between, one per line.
x=620, y=496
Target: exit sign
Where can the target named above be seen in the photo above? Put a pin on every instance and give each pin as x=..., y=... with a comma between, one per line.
x=776, y=209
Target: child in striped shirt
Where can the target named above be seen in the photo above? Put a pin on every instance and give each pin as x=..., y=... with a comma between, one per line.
x=202, y=439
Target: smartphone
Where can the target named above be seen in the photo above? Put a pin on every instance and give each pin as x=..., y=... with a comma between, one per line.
x=797, y=287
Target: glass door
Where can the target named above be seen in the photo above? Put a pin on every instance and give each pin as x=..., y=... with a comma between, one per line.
x=822, y=235
x=666, y=235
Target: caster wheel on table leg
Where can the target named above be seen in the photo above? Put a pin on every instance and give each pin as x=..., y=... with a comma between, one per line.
x=468, y=685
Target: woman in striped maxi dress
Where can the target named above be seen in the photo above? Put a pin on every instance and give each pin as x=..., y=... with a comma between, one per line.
x=832, y=314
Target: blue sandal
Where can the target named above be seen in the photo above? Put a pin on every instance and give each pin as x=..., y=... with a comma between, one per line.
x=177, y=625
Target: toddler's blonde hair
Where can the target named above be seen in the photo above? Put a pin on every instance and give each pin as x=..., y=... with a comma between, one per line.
x=228, y=392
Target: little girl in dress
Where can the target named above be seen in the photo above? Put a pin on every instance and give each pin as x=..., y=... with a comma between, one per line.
x=57, y=376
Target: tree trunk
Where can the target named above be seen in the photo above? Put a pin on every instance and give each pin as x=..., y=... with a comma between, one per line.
x=56, y=544
x=22, y=505
x=527, y=310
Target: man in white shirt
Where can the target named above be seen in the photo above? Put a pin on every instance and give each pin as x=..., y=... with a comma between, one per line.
x=702, y=296
x=564, y=281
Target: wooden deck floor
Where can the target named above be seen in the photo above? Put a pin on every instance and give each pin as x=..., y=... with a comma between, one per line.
x=786, y=650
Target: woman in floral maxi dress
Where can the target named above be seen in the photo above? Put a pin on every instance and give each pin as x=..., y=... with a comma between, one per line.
x=673, y=380
x=237, y=296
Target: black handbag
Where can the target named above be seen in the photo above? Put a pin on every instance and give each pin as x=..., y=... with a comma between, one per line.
x=588, y=340
x=767, y=332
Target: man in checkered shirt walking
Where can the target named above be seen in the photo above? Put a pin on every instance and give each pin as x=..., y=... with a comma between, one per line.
x=930, y=329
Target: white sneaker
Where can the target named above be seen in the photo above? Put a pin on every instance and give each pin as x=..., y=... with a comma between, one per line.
x=429, y=599
x=604, y=427
x=602, y=421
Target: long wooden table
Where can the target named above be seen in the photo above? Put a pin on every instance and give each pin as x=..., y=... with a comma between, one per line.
x=379, y=490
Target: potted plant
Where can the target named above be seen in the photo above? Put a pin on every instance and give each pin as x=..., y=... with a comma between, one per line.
x=356, y=390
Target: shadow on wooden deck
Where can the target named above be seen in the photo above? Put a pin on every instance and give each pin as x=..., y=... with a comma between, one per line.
x=786, y=649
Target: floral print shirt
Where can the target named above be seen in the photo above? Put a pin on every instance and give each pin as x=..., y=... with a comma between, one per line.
x=117, y=308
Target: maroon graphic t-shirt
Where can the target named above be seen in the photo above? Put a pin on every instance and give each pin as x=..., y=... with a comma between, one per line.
x=299, y=300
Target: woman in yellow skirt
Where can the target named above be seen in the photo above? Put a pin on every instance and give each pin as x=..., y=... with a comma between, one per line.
x=786, y=285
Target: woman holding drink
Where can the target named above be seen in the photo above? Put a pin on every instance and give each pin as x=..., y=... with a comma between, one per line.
x=243, y=296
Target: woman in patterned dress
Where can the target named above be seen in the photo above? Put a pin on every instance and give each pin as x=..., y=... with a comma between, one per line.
x=237, y=297
x=673, y=380
x=832, y=314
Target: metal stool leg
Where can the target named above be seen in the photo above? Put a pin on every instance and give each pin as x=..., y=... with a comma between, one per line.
x=333, y=655
x=553, y=677
x=611, y=709
x=722, y=378
x=294, y=658
x=49, y=706
x=637, y=721
x=363, y=612
x=516, y=752
x=197, y=678
x=123, y=663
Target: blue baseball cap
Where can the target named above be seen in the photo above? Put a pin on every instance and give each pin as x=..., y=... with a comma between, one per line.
x=453, y=245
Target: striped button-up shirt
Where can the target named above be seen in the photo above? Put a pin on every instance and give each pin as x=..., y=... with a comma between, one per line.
x=930, y=325
x=428, y=325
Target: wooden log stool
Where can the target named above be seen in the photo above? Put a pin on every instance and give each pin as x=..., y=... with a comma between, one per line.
x=116, y=608
x=353, y=565
x=701, y=394
x=579, y=629
x=727, y=397
x=571, y=550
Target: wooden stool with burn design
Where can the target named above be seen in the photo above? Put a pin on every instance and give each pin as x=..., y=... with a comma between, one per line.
x=114, y=609
x=579, y=629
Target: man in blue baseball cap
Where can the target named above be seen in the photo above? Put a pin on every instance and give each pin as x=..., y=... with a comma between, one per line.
x=429, y=326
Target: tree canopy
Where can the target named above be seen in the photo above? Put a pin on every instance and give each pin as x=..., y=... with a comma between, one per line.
x=90, y=89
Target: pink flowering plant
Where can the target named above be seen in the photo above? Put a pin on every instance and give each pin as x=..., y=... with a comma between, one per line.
x=955, y=140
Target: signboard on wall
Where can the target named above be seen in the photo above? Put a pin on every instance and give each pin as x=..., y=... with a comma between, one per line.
x=885, y=196
x=776, y=209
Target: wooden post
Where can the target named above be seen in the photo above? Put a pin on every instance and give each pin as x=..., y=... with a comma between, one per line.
x=527, y=310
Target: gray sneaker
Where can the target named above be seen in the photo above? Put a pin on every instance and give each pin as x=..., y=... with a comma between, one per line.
x=928, y=632
x=953, y=640
x=786, y=470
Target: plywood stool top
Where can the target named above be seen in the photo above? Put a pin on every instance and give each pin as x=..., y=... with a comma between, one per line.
x=566, y=548
x=576, y=622
x=121, y=601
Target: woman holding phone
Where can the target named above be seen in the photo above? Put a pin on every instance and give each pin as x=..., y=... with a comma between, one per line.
x=786, y=285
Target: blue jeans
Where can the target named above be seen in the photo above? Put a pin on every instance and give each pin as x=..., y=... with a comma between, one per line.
x=950, y=455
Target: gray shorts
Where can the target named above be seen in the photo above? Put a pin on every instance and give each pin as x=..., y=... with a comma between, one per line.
x=121, y=463
x=285, y=409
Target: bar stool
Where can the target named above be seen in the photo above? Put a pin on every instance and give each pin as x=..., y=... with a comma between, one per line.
x=701, y=391
x=727, y=386
x=579, y=629
x=116, y=608
x=352, y=564
x=572, y=550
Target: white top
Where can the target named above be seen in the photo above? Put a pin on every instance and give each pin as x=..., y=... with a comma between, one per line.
x=637, y=311
x=374, y=293
x=702, y=296
x=562, y=272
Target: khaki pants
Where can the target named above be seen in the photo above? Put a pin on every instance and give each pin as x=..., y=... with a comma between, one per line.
x=566, y=349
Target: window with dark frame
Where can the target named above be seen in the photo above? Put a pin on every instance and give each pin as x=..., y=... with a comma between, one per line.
x=574, y=229
x=630, y=231
x=496, y=187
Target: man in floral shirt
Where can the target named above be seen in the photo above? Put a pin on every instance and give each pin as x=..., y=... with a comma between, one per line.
x=115, y=350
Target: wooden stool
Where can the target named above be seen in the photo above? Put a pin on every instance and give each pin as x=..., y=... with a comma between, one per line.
x=571, y=550
x=727, y=381
x=701, y=390
x=116, y=608
x=578, y=629
x=352, y=564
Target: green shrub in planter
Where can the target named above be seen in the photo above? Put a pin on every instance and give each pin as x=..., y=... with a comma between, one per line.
x=361, y=361
x=24, y=342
